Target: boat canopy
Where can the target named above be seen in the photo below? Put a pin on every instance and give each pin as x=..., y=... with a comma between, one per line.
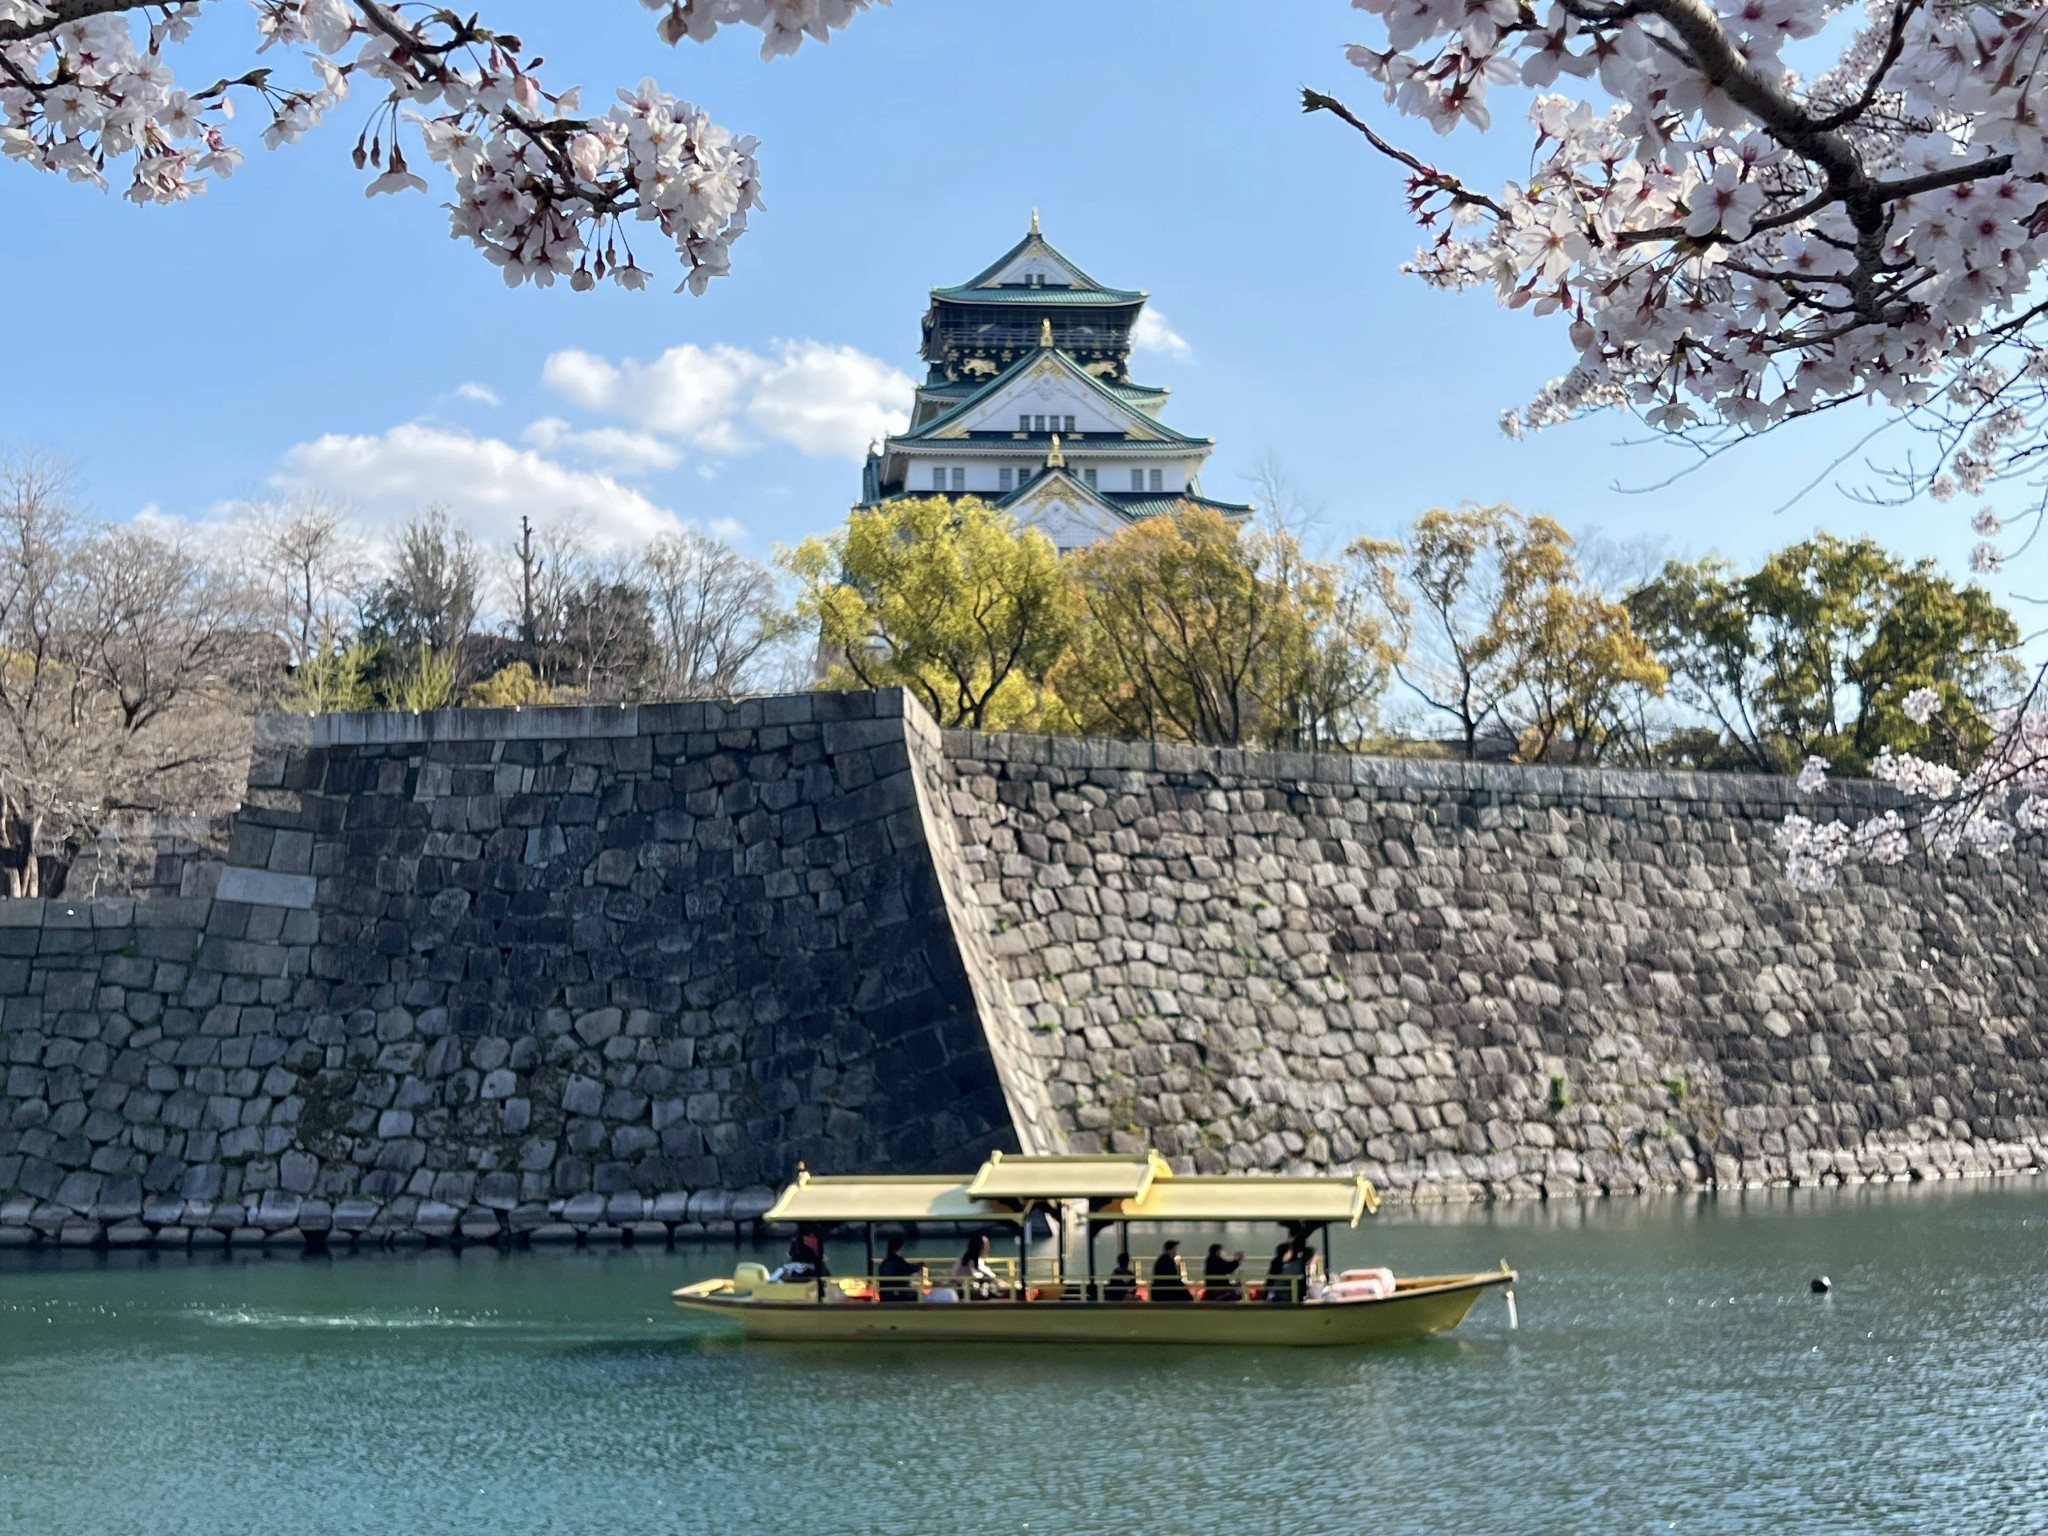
x=860, y=1197
x=1137, y=1187
x=1231, y=1197
x=1025, y=1179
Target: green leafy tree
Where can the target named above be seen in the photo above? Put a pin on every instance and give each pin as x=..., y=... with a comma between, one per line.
x=949, y=599
x=1584, y=672
x=1502, y=633
x=1816, y=651
x=1199, y=632
x=426, y=681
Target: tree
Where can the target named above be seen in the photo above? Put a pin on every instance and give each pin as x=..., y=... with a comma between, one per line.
x=716, y=614
x=311, y=565
x=583, y=623
x=432, y=590
x=1816, y=652
x=123, y=661
x=542, y=188
x=950, y=600
x=1729, y=241
x=1197, y=632
x=1467, y=577
x=1585, y=675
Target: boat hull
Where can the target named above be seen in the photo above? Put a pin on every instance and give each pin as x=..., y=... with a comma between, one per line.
x=1417, y=1310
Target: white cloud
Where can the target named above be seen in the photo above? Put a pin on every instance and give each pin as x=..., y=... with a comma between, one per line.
x=482, y=394
x=484, y=483
x=829, y=402
x=613, y=448
x=1155, y=335
x=824, y=401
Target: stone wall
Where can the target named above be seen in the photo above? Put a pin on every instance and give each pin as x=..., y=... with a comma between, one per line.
x=1493, y=979
x=563, y=973
x=502, y=972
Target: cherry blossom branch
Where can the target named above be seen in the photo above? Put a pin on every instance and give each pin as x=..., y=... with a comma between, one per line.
x=544, y=189
x=1442, y=181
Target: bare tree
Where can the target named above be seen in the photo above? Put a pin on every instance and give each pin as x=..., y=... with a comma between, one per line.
x=1283, y=505
x=717, y=615
x=124, y=661
x=311, y=565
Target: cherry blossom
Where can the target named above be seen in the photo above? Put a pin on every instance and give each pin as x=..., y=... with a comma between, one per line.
x=1731, y=243
x=1981, y=812
x=546, y=191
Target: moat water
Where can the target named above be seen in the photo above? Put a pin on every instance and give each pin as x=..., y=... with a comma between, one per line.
x=1672, y=1372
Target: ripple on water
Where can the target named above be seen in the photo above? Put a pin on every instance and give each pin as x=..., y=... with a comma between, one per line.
x=1671, y=1374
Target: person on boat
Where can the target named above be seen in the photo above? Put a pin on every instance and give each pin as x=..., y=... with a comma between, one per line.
x=1310, y=1270
x=1123, y=1281
x=971, y=1275
x=1280, y=1285
x=897, y=1281
x=1169, y=1280
x=806, y=1259
x=1219, y=1274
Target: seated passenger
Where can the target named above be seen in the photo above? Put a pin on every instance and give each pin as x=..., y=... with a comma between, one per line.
x=806, y=1259
x=1219, y=1274
x=1169, y=1280
x=1310, y=1268
x=971, y=1275
x=1280, y=1284
x=897, y=1276
x=1123, y=1281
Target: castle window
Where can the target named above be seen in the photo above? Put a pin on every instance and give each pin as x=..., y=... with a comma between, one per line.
x=1038, y=423
x=1088, y=478
x=960, y=479
x=1003, y=478
x=1023, y=423
x=956, y=479
x=938, y=478
x=1070, y=423
x=1137, y=479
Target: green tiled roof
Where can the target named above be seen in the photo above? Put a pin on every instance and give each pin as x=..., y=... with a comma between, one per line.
x=1153, y=504
x=1107, y=393
x=1046, y=247
x=1022, y=295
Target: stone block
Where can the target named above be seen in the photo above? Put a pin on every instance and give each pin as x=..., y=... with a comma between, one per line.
x=265, y=887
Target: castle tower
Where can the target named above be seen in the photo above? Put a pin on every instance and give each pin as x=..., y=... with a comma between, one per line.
x=1028, y=403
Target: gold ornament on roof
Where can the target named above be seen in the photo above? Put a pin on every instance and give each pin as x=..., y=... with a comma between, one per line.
x=1045, y=332
x=1034, y=221
x=1056, y=457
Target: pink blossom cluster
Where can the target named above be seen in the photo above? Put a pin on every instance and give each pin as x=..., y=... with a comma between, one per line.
x=1728, y=240
x=1980, y=812
x=544, y=191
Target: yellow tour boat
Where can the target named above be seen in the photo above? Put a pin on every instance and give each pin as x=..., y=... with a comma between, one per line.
x=1033, y=1299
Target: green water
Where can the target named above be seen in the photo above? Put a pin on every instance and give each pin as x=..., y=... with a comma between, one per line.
x=1671, y=1373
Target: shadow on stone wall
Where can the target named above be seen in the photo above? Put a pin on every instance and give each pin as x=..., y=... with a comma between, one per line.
x=505, y=972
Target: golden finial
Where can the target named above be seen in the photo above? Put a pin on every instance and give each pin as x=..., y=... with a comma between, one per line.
x=1045, y=332
x=1056, y=458
x=1034, y=221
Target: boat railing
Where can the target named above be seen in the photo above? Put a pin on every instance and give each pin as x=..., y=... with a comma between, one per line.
x=1044, y=1281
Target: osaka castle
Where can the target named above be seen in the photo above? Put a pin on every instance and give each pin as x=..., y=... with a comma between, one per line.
x=1028, y=402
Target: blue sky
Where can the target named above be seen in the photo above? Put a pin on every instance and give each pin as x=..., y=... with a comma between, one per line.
x=283, y=330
